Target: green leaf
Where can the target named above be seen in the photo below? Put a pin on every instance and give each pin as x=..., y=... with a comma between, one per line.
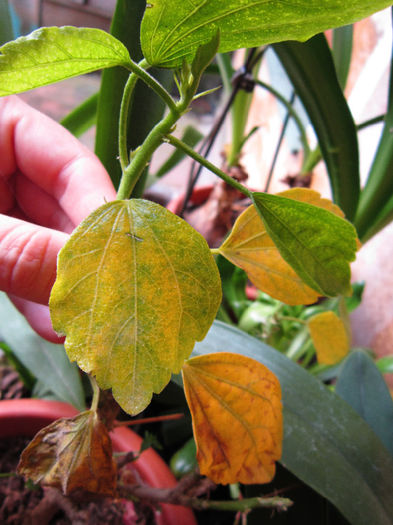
x=145, y=108
x=46, y=361
x=184, y=460
x=326, y=443
x=318, y=244
x=6, y=32
x=376, y=200
x=342, y=52
x=385, y=364
x=203, y=57
x=311, y=70
x=172, y=30
x=51, y=54
x=136, y=287
x=361, y=384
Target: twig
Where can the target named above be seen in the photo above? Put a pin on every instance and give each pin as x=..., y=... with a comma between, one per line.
x=128, y=423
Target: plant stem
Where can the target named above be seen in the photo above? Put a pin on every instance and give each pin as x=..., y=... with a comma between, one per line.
x=140, y=71
x=123, y=118
x=204, y=162
x=289, y=318
x=175, y=497
x=143, y=154
x=129, y=423
x=96, y=394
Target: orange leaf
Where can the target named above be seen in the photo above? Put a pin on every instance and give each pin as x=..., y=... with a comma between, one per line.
x=236, y=410
x=329, y=336
x=250, y=247
x=72, y=454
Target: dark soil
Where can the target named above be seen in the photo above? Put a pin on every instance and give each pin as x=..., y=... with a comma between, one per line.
x=24, y=504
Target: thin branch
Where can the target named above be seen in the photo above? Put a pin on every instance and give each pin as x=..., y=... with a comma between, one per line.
x=204, y=162
x=129, y=423
x=174, y=497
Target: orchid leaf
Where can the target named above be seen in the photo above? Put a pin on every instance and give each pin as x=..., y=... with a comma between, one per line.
x=326, y=443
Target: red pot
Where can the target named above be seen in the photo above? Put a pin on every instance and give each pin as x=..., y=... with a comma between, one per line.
x=25, y=417
x=198, y=196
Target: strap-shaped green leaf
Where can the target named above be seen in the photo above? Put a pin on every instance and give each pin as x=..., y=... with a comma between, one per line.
x=145, y=108
x=136, y=287
x=316, y=243
x=362, y=385
x=172, y=30
x=44, y=360
x=51, y=54
x=312, y=72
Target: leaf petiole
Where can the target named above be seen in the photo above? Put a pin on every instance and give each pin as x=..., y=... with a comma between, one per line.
x=96, y=394
x=204, y=162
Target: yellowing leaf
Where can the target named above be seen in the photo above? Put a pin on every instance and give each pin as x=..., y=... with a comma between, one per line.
x=136, y=287
x=72, y=454
x=250, y=247
x=329, y=336
x=236, y=410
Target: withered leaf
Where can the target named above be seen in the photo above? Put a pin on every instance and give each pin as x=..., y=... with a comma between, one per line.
x=72, y=454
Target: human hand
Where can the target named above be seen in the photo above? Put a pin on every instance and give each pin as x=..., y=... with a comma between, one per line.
x=49, y=182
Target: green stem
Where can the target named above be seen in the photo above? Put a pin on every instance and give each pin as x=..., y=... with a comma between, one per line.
x=344, y=316
x=175, y=497
x=289, y=318
x=96, y=394
x=370, y=122
x=143, y=154
x=140, y=71
x=215, y=251
x=241, y=505
x=123, y=119
x=204, y=162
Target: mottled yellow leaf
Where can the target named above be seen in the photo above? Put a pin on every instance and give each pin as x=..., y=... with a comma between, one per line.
x=136, y=287
x=329, y=336
x=250, y=247
x=236, y=410
x=72, y=454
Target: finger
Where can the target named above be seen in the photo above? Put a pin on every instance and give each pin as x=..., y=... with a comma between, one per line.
x=38, y=317
x=51, y=158
x=39, y=207
x=7, y=199
x=28, y=255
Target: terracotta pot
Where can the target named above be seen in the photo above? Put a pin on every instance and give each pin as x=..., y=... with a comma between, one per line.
x=25, y=417
x=198, y=196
